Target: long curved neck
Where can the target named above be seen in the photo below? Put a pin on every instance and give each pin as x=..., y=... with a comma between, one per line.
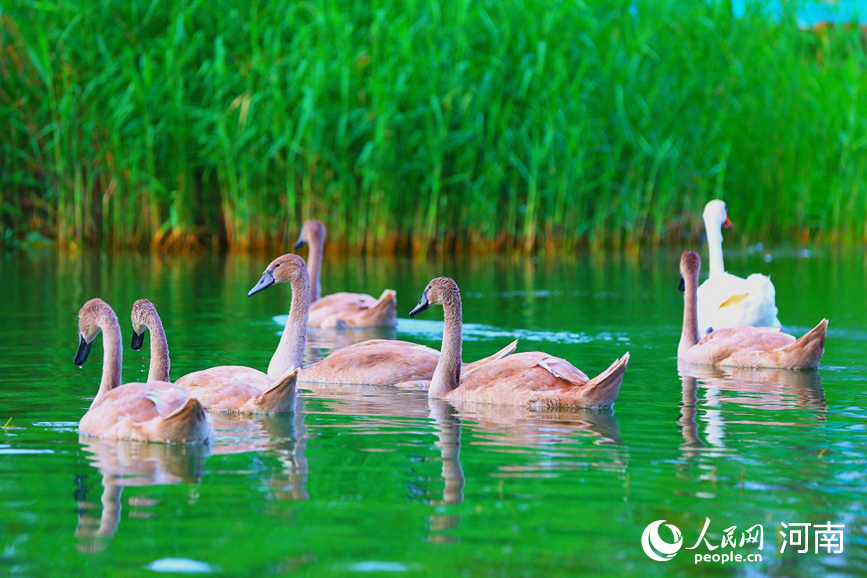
x=447, y=375
x=112, y=359
x=160, y=362
x=290, y=352
x=714, y=247
x=689, y=334
x=314, y=265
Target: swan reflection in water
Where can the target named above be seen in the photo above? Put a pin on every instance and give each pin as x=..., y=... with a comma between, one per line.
x=532, y=443
x=138, y=464
x=558, y=439
x=130, y=464
x=447, y=423
x=751, y=391
x=283, y=436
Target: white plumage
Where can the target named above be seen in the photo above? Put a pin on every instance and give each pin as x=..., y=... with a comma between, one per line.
x=725, y=300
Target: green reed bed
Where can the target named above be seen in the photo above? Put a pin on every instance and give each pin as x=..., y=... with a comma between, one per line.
x=500, y=124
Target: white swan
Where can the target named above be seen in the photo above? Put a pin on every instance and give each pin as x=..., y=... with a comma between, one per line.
x=725, y=300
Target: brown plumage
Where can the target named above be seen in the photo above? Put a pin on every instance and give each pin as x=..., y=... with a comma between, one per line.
x=374, y=362
x=219, y=389
x=237, y=389
x=539, y=380
x=385, y=362
x=344, y=310
x=742, y=346
x=532, y=379
x=154, y=411
x=341, y=310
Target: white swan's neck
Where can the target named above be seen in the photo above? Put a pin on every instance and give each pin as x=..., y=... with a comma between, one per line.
x=290, y=351
x=689, y=333
x=714, y=247
x=160, y=363
x=447, y=375
x=314, y=265
x=112, y=359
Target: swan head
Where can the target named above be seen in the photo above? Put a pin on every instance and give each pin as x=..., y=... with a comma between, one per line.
x=716, y=215
x=90, y=317
x=286, y=268
x=439, y=291
x=690, y=265
x=142, y=317
x=312, y=232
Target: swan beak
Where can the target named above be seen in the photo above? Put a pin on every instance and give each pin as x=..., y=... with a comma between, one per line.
x=423, y=304
x=300, y=242
x=137, y=340
x=682, y=286
x=266, y=281
x=728, y=224
x=83, y=351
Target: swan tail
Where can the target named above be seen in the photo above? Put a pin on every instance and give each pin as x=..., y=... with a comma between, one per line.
x=762, y=307
x=384, y=313
x=807, y=351
x=187, y=424
x=602, y=390
x=504, y=352
x=280, y=397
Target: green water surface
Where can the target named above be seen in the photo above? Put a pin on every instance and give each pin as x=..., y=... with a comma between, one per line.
x=373, y=481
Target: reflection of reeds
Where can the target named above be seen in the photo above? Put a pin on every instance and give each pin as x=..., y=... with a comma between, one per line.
x=502, y=124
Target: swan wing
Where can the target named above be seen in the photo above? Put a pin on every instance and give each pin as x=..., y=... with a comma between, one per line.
x=730, y=301
x=353, y=310
x=723, y=344
x=374, y=362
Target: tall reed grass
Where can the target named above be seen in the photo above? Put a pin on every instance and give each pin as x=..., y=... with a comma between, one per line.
x=411, y=123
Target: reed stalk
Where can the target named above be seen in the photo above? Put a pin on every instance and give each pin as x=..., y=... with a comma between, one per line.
x=417, y=124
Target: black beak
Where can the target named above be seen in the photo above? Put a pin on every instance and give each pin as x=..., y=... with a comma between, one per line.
x=83, y=351
x=300, y=242
x=682, y=286
x=137, y=340
x=266, y=281
x=423, y=304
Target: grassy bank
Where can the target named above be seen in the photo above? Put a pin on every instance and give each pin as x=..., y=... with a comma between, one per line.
x=405, y=123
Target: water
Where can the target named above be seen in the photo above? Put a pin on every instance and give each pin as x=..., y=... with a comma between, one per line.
x=372, y=481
